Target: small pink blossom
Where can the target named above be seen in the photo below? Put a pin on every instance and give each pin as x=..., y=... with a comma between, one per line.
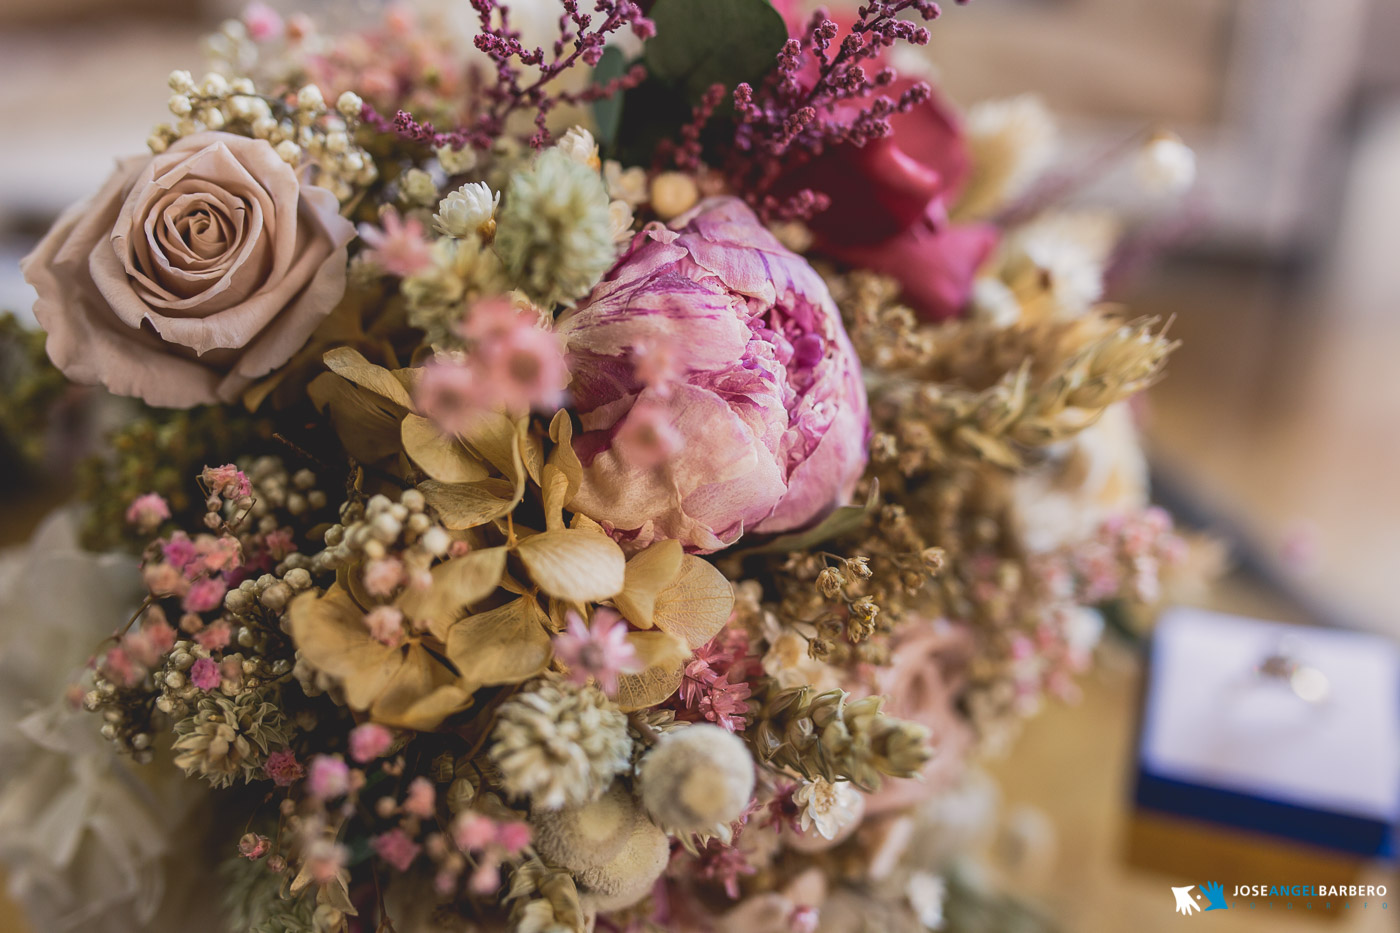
x=518, y=364
x=262, y=22
x=205, y=595
x=513, y=836
x=227, y=481
x=216, y=637
x=231, y=670
x=397, y=849
x=119, y=667
x=283, y=768
x=214, y=555
x=324, y=859
x=385, y=624
x=159, y=631
x=140, y=647
x=421, y=800
x=450, y=393
x=329, y=777
x=147, y=512
x=253, y=846
x=178, y=550
x=804, y=919
x=473, y=832
x=383, y=576
x=486, y=879
x=279, y=543
x=399, y=246
x=204, y=674
x=369, y=741
x=164, y=579
x=647, y=437
x=600, y=652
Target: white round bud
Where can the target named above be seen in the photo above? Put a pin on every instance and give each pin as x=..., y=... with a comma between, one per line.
x=349, y=104
x=289, y=152
x=214, y=85
x=310, y=100
x=181, y=82
x=180, y=105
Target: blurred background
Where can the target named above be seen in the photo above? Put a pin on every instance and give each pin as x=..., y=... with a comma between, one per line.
x=1278, y=426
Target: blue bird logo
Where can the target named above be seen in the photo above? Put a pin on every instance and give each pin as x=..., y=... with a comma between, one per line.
x=1215, y=896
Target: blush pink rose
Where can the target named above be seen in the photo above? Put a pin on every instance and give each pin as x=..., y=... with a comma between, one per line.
x=191, y=273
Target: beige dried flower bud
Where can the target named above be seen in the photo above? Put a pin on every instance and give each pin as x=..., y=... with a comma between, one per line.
x=830, y=582
x=697, y=779
x=672, y=194
x=588, y=836
x=859, y=567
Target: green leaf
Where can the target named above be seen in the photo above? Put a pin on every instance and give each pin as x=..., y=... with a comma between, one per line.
x=607, y=112
x=699, y=43
x=842, y=521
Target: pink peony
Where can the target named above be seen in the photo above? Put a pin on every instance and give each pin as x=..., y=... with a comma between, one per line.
x=191, y=273
x=767, y=407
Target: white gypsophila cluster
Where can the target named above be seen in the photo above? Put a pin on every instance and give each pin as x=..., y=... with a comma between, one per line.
x=468, y=211
x=303, y=132
x=1166, y=165
x=89, y=839
x=578, y=144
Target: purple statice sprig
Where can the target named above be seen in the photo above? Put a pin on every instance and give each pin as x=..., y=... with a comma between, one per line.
x=582, y=39
x=797, y=111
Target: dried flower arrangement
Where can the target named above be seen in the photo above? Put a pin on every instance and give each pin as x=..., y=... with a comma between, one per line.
x=627, y=528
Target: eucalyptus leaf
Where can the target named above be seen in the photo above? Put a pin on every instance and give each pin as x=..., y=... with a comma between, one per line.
x=607, y=112
x=842, y=521
x=699, y=43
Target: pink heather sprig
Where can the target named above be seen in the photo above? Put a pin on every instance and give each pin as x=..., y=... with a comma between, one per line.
x=716, y=683
x=821, y=94
x=581, y=40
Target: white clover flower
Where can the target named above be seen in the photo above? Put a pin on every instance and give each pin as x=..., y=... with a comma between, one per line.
x=828, y=807
x=621, y=213
x=456, y=161
x=467, y=210
x=625, y=184
x=578, y=144
x=1070, y=250
x=1166, y=165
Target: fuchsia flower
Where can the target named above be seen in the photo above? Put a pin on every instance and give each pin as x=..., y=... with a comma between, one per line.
x=600, y=651
x=767, y=408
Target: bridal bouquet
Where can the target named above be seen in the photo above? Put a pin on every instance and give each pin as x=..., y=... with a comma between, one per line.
x=611, y=480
